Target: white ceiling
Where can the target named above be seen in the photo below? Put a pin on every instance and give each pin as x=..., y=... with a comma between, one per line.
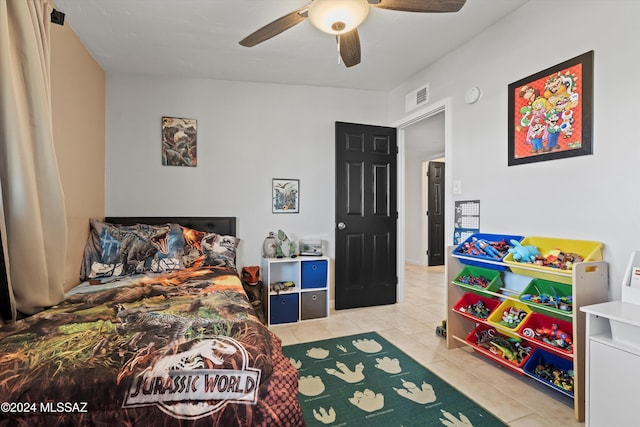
x=199, y=38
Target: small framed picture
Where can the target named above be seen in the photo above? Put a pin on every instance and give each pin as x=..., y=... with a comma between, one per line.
x=285, y=195
x=179, y=142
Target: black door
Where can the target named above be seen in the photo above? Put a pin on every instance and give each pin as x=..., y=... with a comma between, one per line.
x=366, y=215
x=435, y=211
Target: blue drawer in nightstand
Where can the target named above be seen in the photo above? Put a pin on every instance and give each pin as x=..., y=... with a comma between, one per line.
x=283, y=308
x=314, y=274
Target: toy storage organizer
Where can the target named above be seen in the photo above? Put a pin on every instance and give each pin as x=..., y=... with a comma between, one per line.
x=586, y=283
x=308, y=296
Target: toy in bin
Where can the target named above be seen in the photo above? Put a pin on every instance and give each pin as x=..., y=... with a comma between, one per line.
x=510, y=315
x=558, y=377
x=485, y=248
x=549, y=297
x=523, y=253
x=555, y=258
x=552, y=370
x=551, y=335
x=474, y=306
x=479, y=280
x=564, y=303
x=478, y=309
x=511, y=349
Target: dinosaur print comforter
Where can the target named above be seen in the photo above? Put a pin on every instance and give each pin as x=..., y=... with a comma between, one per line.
x=182, y=348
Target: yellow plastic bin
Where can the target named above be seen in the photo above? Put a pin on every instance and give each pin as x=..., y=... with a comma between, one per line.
x=519, y=313
x=588, y=250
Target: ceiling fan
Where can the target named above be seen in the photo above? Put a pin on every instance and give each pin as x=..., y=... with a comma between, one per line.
x=342, y=18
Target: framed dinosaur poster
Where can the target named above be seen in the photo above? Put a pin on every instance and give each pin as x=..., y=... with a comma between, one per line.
x=285, y=195
x=551, y=113
x=179, y=142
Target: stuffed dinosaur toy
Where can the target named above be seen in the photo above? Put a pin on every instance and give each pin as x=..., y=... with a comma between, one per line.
x=522, y=253
x=284, y=247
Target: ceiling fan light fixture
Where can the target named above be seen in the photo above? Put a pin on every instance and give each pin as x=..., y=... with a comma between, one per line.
x=338, y=16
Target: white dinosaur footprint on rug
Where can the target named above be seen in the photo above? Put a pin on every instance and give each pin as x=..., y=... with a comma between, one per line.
x=341, y=348
x=452, y=421
x=390, y=366
x=367, y=400
x=367, y=345
x=324, y=416
x=422, y=395
x=296, y=363
x=346, y=374
x=318, y=353
x=310, y=385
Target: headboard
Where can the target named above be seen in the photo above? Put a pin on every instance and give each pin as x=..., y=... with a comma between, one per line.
x=224, y=225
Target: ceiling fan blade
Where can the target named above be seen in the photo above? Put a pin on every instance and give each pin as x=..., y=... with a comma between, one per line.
x=274, y=28
x=433, y=6
x=349, y=44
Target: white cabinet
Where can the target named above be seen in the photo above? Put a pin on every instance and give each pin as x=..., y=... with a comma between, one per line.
x=588, y=285
x=296, y=289
x=612, y=360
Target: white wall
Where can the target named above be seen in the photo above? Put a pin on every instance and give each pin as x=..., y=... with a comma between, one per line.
x=413, y=210
x=248, y=133
x=588, y=197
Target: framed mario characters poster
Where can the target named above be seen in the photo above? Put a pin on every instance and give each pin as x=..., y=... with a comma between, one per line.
x=551, y=112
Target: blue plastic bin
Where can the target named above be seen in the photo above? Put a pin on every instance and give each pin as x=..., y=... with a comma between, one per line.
x=483, y=260
x=543, y=357
x=314, y=274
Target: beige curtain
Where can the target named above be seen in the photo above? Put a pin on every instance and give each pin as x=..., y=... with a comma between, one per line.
x=32, y=201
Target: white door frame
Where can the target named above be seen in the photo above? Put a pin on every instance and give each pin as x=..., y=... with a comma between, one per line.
x=426, y=112
x=424, y=192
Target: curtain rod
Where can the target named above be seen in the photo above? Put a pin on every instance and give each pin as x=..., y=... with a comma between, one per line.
x=57, y=17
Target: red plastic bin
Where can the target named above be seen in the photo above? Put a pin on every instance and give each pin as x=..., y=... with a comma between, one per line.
x=470, y=298
x=495, y=355
x=539, y=321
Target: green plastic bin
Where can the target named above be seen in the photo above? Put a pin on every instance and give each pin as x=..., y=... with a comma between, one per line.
x=493, y=277
x=559, y=291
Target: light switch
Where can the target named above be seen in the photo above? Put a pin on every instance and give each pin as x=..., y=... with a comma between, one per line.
x=457, y=186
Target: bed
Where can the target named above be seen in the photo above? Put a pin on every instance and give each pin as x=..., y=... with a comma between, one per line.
x=161, y=335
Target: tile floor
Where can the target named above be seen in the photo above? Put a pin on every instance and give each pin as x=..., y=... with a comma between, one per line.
x=410, y=325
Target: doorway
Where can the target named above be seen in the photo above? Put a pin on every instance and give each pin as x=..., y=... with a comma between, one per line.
x=438, y=112
x=423, y=143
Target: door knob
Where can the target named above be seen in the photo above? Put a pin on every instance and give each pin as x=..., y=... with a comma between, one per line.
x=342, y=226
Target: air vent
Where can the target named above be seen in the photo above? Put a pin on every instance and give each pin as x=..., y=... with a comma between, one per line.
x=417, y=97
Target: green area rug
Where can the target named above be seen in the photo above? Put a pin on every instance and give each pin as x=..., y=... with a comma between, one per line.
x=364, y=380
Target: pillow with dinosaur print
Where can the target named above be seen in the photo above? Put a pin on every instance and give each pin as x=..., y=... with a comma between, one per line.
x=119, y=250
x=213, y=249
